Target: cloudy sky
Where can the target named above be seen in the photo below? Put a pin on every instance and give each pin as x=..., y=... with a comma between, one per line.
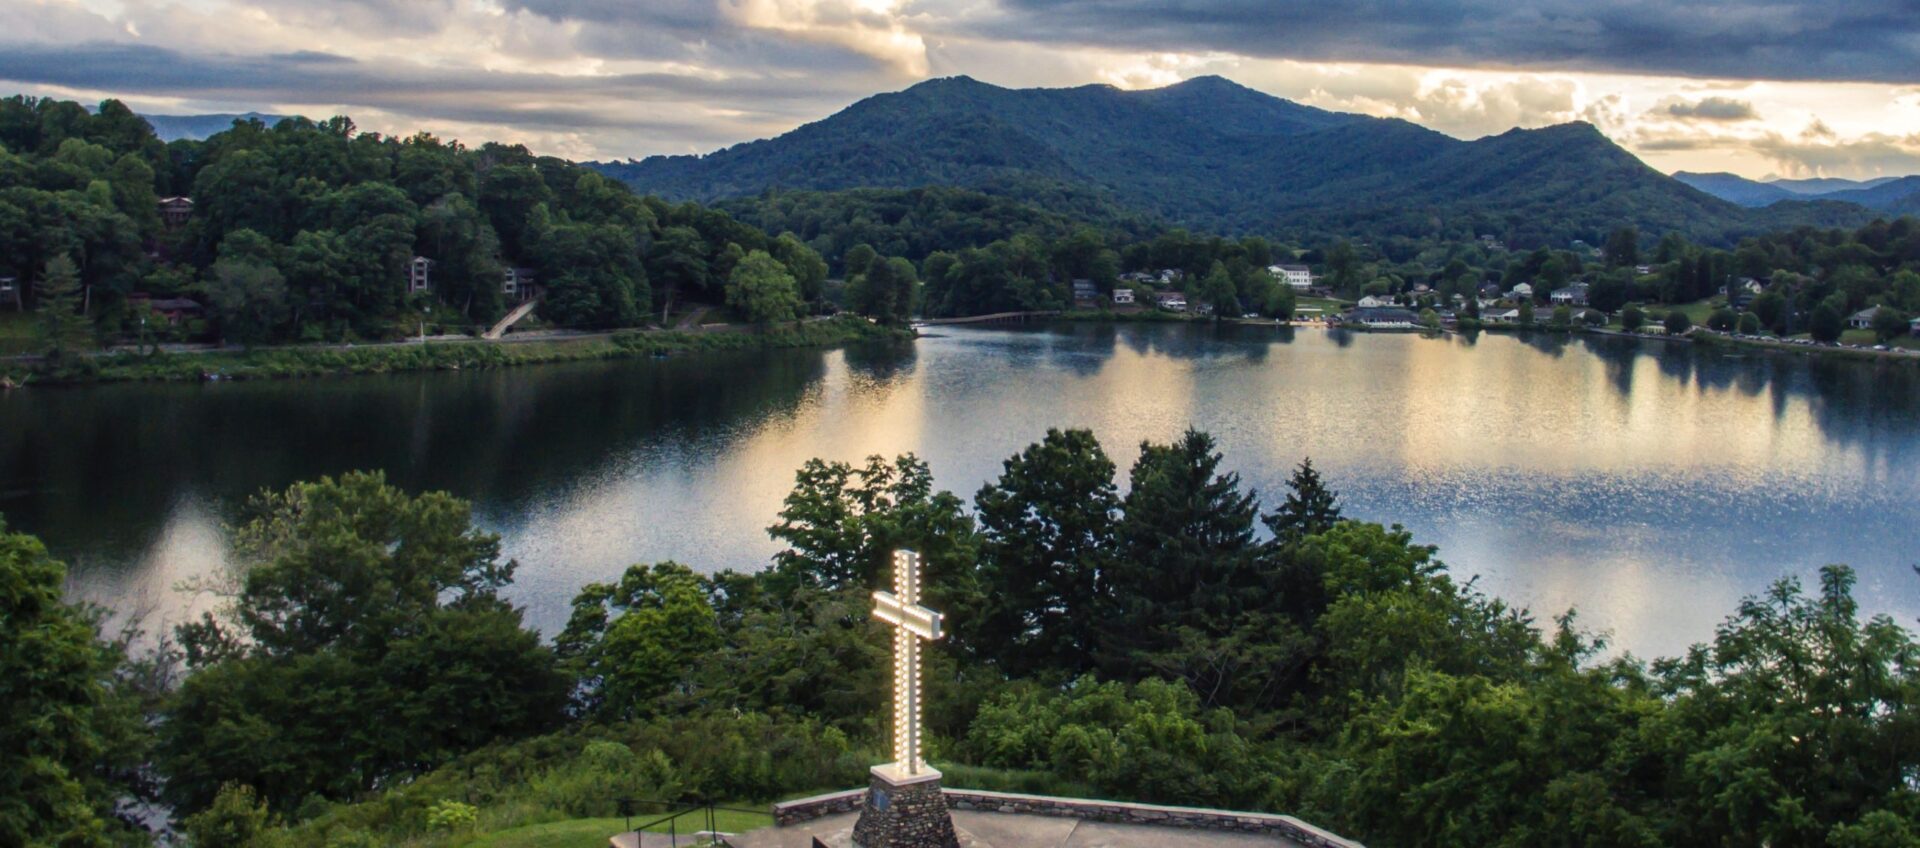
x=1757, y=87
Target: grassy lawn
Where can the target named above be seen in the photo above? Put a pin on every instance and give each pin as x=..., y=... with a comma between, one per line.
x=1698, y=310
x=1326, y=305
x=16, y=332
x=578, y=833
x=1857, y=337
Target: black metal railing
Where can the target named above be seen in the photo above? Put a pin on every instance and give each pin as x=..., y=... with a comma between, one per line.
x=704, y=813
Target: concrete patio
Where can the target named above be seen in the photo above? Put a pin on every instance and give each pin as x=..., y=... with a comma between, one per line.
x=1017, y=830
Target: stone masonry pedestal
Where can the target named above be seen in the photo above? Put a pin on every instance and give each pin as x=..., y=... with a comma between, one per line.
x=904, y=811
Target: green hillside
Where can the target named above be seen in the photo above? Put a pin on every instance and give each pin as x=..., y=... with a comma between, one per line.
x=1215, y=156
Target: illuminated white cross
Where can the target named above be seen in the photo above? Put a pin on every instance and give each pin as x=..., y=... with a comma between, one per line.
x=911, y=623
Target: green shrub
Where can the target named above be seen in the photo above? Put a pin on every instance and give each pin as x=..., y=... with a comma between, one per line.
x=237, y=819
x=452, y=815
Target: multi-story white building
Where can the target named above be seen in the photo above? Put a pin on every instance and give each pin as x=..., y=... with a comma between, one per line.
x=1296, y=276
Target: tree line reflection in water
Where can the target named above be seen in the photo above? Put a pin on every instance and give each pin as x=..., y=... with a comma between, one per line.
x=658, y=452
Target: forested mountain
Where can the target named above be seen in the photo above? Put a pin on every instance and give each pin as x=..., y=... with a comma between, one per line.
x=1734, y=188
x=1213, y=155
x=1884, y=194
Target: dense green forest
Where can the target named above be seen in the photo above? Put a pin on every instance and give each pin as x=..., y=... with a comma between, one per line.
x=304, y=231
x=1212, y=155
x=365, y=681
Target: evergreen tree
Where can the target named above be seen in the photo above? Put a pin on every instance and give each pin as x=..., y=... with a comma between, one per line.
x=1185, y=545
x=1310, y=508
x=63, y=330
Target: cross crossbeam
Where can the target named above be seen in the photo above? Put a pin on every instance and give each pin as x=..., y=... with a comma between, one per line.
x=911, y=623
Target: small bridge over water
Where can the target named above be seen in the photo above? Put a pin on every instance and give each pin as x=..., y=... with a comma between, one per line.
x=995, y=318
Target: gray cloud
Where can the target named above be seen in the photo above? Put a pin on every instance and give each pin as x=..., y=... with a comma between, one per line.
x=651, y=104
x=1868, y=40
x=1711, y=109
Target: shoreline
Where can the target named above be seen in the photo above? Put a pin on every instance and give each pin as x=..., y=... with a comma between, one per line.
x=276, y=363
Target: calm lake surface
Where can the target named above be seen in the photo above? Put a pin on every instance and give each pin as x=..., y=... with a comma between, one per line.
x=1649, y=484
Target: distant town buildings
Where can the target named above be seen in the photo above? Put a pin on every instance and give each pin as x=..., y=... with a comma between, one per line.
x=176, y=211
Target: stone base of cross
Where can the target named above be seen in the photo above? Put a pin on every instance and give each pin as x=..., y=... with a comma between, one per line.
x=904, y=806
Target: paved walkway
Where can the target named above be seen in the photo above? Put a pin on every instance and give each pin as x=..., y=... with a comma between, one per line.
x=1004, y=830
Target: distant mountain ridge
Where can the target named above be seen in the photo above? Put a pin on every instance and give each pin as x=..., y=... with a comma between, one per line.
x=1885, y=194
x=172, y=127
x=1211, y=154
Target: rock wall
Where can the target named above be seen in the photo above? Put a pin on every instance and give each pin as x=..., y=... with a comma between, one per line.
x=1288, y=827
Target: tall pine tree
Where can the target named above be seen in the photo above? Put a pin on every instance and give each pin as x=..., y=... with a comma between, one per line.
x=1311, y=507
x=1185, y=563
x=63, y=330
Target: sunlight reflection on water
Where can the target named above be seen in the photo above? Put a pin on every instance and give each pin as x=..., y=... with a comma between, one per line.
x=1649, y=485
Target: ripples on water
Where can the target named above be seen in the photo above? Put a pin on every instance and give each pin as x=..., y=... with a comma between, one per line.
x=1650, y=485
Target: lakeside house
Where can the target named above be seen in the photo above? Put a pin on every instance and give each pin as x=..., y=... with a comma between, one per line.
x=1299, y=277
x=1085, y=293
x=1573, y=295
x=518, y=285
x=175, y=211
x=419, y=274
x=1383, y=317
x=1490, y=293
x=1501, y=316
x=1123, y=297
x=1171, y=301
x=1523, y=291
x=177, y=309
x=171, y=309
x=1863, y=320
x=1375, y=302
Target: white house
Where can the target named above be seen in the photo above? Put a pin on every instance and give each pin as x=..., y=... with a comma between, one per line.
x=1573, y=295
x=1863, y=320
x=1522, y=291
x=419, y=274
x=1501, y=316
x=1122, y=296
x=1296, y=276
x=1375, y=302
x=1172, y=301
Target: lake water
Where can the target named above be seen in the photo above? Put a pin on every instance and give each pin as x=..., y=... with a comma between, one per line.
x=1649, y=484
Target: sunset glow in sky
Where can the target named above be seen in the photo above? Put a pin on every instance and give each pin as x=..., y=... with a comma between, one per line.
x=1755, y=87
